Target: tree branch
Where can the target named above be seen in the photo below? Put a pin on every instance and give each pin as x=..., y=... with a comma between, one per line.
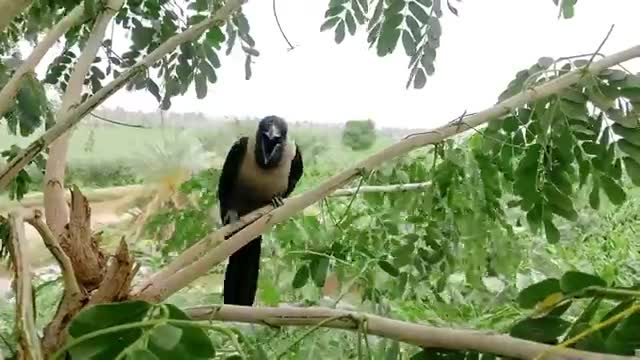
x=164, y=287
x=74, y=116
x=55, y=208
x=9, y=9
x=382, y=189
x=416, y=334
x=9, y=91
x=28, y=342
x=51, y=242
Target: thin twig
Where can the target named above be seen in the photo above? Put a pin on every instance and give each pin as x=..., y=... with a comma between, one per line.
x=600, y=46
x=118, y=123
x=275, y=15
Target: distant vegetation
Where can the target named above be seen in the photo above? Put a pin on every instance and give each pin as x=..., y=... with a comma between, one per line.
x=103, y=154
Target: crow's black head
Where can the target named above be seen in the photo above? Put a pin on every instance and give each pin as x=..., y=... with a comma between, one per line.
x=271, y=138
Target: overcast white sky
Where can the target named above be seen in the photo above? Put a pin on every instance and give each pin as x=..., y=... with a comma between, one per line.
x=319, y=81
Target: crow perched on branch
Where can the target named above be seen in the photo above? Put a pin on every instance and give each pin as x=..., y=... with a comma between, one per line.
x=259, y=169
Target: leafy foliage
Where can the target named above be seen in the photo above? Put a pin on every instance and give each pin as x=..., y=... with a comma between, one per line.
x=359, y=135
x=415, y=23
x=547, y=150
x=20, y=184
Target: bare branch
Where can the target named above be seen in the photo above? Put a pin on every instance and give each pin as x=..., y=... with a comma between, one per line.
x=382, y=189
x=52, y=244
x=74, y=116
x=9, y=9
x=9, y=91
x=416, y=334
x=28, y=342
x=165, y=287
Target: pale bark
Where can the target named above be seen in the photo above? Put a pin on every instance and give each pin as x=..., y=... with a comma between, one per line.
x=168, y=285
x=416, y=334
x=9, y=9
x=381, y=189
x=9, y=91
x=72, y=117
x=55, y=207
x=28, y=341
x=71, y=287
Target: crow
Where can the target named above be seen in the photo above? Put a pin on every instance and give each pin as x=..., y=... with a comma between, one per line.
x=259, y=169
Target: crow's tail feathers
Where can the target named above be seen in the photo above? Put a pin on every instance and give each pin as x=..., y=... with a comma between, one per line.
x=241, y=275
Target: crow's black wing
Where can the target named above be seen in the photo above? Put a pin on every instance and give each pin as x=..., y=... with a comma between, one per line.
x=295, y=173
x=229, y=175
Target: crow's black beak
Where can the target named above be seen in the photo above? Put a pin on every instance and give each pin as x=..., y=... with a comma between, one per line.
x=273, y=132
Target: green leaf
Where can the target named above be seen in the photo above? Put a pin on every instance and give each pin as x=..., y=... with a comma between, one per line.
x=574, y=281
x=633, y=169
x=319, y=267
x=388, y=268
x=544, y=330
x=89, y=8
x=351, y=23
x=389, y=34
x=334, y=11
x=419, y=13
x=533, y=294
x=194, y=342
x=420, y=79
x=551, y=231
x=574, y=110
x=408, y=43
x=413, y=26
x=329, y=23
x=165, y=337
x=614, y=192
x=584, y=319
x=301, y=277
x=629, y=148
x=103, y=316
x=242, y=23
x=340, y=32
x=215, y=37
x=625, y=339
x=247, y=67
x=594, y=195
x=141, y=354
x=211, y=56
x=573, y=95
x=142, y=37
x=631, y=135
x=201, y=85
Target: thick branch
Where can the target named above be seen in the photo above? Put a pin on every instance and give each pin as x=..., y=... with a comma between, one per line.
x=81, y=245
x=55, y=206
x=420, y=335
x=9, y=9
x=9, y=91
x=28, y=342
x=163, y=288
x=74, y=116
x=200, y=248
x=117, y=280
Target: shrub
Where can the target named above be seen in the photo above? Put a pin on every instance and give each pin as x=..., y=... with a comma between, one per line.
x=359, y=134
